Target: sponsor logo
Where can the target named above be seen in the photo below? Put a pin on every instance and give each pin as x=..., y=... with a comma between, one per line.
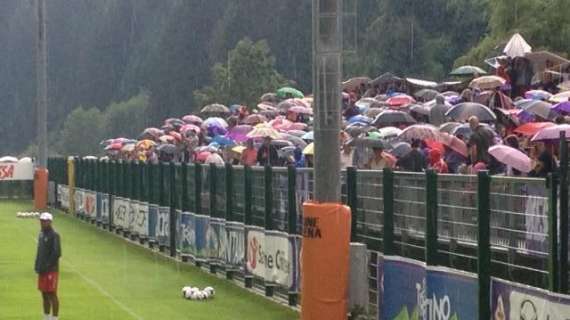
x=311, y=228
x=6, y=171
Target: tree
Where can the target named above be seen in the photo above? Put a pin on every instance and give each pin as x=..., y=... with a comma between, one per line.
x=127, y=118
x=248, y=73
x=83, y=129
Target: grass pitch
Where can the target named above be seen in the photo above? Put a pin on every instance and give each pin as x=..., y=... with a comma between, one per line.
x=104, y=277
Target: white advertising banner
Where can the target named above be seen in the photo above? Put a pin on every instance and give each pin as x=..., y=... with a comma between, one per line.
x=120, y=207
x=270, y=256
x=63, y=196
x=104, y=207
x=79, y=204
x=140, y=223
x=90, y=203
x=16, y=171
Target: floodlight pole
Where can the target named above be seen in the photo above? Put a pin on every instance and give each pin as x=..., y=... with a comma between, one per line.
x=327, y=75
x=41, y=83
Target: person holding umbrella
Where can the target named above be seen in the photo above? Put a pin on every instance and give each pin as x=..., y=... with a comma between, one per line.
x=249, y=155
x=380, y=159
x=437, y=112
x=267, y=154
x=413, y=161
x=480, y=141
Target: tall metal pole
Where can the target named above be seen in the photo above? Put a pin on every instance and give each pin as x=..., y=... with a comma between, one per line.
x=41, y=83
x=327, y=76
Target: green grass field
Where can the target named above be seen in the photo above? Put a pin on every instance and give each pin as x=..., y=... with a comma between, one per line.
x=105, y=277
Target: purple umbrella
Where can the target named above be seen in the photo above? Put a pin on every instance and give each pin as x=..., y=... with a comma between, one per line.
x=239, y=133
x=562, y=107
x=552, y=133
x=511, y=157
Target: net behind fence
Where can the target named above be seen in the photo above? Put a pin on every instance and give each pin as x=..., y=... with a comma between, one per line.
x=410, y=214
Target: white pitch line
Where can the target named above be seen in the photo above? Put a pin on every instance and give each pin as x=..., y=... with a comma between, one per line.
x=95, y=285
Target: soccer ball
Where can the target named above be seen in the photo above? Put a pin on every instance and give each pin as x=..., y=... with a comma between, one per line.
x=211, y=292
x=186, y=292
x=206, y=295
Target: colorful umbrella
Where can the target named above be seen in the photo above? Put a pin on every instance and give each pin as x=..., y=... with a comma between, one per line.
x=202, y=156
x=391, y=117
x=373, y=112
x=463, y=111
x=400, y=100
x=309, y=150
x=562, y=107
x=192, y=119
x=223, y=141
x=262, y=132
x=552, y=133
x=420, y=132
x=114, y=146
x=167, y=139
x=538, y=95
x=511, y=157
x=561, y=97
x=309, y=136
x=388, y=133
x=454, y=143
x=215, y=108
x=238, y=149
x=214, y=122
x=531, y=128
x=301, y=110
x=467, y=71
x=296, y=133
x=266, y=106
x=190, y=127
x=487, y=82
x=288, y=92
x=254, y=119
x=540, y=108
x=145, y=144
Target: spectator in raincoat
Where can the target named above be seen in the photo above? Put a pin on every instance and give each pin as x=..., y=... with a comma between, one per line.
x=437, y=113
x=436, y=163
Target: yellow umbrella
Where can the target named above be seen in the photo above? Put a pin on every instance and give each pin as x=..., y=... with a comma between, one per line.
x=309, y=150
x=262, y=132
x=238, y=149
x=145, y=144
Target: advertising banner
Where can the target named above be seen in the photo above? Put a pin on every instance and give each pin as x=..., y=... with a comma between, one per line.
x=79, y=204
x=16, y=171
x=450, y=295
x=120, y=208
x=133, y=207
x=216, y=240
x=255, y=241
x=140, y=221
x=90, y=203
x=152, y=218
x=163, y=225
x=187, y=234
x=63, y=196
x=235, y=251
x=104, y=207
x=405, y=280
x=202, y=224
x=513, y=301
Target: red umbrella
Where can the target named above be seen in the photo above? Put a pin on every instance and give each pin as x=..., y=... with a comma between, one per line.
x=400, y=100
x=432, y=144
x=202, y=156
x=454, y=143
x=176, y=135
x=531, y=128
x=190, y=127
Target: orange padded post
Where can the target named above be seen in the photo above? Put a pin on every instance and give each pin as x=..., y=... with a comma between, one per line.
x=325, y=261
x=40, y=188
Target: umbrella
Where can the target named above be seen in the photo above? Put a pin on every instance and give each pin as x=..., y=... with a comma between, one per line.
x=223, y=141
x=202, y=156
x=466, y=131
x=373, y=112
x=388, y=133
x=266, y=106
x=463, y=111
x=309, y=150
x=262, y=132
x=167, y=148
x=215, y=108
x=552, y=133
x=152, y=132
x=176, y=135
x=511, y=157
x=290, y=103
x=562, y=107
x=538, y=95
x=288, y=92
x=454, y=143
x=128, y=147
x=386, y=78
x=432, y=144
x=449, y=126
x=426, y=94
x=192, y=119
x=467, y=71
x=174, y=122
x=281, y=143
x=366, y=103
x=390, y=117
x=296, y=126
x=487, y=82
x=254, y=119
x=214, y=122
x=309, y=136
x=531, y=128
x=420, y=108
x=296, y=133
x=517, y=47
x=167, y=139
x=400, y=100
x=238, y=149
x=190, y=127
x=540, y=108
x=400, y=149
x=268, y=97
x=420, y=132
x=299, y=142
x=239, y=133
x=8, y=159
x=354, y=83
x=301, y=110
x=360, y=118
x=114, y=146
x=145, y=144
x=561, y=97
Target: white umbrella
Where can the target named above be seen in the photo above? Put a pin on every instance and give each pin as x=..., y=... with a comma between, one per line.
x=517, y=46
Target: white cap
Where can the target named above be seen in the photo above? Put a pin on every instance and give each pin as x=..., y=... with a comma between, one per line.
x=46, y=216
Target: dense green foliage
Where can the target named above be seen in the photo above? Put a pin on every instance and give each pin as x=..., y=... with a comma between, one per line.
x=109, y=50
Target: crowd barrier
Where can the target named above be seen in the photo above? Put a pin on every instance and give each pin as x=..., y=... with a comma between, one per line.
x=459, y=239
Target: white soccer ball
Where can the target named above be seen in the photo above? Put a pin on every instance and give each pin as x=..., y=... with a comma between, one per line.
x=186, y=292
x=201, y=295
x=211, y=292
x=206, y=295
x=194, y=295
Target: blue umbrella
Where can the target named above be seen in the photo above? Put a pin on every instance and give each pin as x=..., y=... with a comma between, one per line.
x=360, y=118
x=309, y=136
x=223, y=141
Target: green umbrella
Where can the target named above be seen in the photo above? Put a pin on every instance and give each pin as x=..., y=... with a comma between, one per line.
x=288, y=92
x=468, y=71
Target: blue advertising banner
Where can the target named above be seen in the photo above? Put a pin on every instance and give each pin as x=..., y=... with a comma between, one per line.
x=202, y=224
x=405, y=280
x=513, y=301
x=216, y=240
x=162, y=228
x=152, y=219
x=450, y=295
x=187, y=233
x=235, y=249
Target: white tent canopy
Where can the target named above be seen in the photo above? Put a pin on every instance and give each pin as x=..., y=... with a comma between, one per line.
x=517, y=46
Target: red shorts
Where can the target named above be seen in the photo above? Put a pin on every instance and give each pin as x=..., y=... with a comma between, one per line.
x=47, y=282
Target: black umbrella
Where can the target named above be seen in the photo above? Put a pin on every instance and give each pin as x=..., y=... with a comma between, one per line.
x=463, y=111
x=390, y=117
x=448, y=127
x=400, y=149
x=426, y=94
x=167, y=148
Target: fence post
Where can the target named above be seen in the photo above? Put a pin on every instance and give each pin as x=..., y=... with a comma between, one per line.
x=229, y=192
x=172, y=200
x=431, y=218
x=352, y=200
x=212, y=173
x=268, y=184
x=484, y=244
x=563, y=183
x=554, y=271
x=248, y=278
x=150, y=183
x=161, y=185
x=388, y=195
x=185, y=200
x=198, y=188
x=292, y=217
